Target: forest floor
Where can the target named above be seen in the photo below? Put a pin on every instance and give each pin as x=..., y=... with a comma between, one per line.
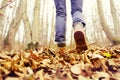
x=61, y=64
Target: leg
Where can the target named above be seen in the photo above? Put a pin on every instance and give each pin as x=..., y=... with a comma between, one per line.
x=76, y=11
x=60, y=21
x=78, y=24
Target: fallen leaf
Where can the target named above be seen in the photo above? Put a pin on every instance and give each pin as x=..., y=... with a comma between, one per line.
x=107, y=55
x=76, y=69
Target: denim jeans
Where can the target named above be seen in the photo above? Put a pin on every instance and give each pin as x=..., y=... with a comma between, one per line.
x=76, y=11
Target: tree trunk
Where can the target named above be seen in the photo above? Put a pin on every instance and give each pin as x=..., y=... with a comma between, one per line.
x=36, y=22
x=52, y=28
x=2, y=12
x=27, y=26
x=99, y=36
x=10, y=38
x=45, y=31
x=115, y=18
x=42, y=23
x=104, y=24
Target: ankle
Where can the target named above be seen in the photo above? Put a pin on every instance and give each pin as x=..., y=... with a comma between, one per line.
x=78, y=26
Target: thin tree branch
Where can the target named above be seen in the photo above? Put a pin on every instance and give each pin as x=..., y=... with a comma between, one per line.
x=7, y=4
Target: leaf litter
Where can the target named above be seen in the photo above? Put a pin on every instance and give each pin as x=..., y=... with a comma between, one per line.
x=62, y=64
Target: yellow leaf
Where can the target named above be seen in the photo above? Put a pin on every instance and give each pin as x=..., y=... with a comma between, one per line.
x=108, y=55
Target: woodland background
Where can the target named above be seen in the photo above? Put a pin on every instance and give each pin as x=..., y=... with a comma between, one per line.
x=24, y=22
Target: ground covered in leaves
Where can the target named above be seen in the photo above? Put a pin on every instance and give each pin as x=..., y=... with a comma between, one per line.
x=62, y=64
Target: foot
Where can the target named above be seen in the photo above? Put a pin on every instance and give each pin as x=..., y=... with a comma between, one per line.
x=61, y=44
x=80, y=38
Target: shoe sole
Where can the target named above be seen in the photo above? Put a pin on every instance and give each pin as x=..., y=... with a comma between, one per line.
x=80, y=41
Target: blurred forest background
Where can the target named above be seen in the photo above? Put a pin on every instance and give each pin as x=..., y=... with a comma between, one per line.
x=25, y=22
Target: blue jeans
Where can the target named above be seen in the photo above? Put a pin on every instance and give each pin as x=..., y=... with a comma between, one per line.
x=76, y=11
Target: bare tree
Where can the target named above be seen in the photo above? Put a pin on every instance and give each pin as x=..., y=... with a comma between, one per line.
x=13, y=27
x=105, y=26
x=115, y=18
x=42, y=22
x=52, y=27
x=36, y=22
x=27, y=25
x=99, y=35
x=2, y=13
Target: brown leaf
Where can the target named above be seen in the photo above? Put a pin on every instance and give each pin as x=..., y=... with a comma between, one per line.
x=33, y=56
x=86, y=59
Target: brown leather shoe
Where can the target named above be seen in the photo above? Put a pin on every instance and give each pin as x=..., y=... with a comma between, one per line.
x=80, y=41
